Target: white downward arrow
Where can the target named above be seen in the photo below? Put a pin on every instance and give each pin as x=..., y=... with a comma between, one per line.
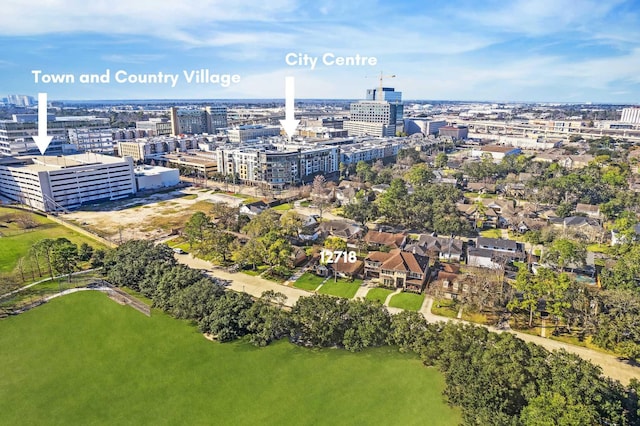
x=289, y=123
x=42, y=140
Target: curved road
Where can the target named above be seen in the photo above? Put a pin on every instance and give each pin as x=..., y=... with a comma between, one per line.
x=255, y=286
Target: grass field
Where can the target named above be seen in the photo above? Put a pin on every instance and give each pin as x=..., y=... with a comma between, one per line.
x=408, y=301
x=16, y=242
x=342, y=288
x=83, y=359
x=379, y=294
x=491, y=233
x=308, y=281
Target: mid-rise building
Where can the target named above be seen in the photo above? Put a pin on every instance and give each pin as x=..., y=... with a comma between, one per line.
x=155, y=127
x=51, y=183
x=21, y=100
x=146, y=149
x=423, y=125
x=251, y=132
x=16, y=135
x=197, y=121
x=631, y=115
x=90, y=140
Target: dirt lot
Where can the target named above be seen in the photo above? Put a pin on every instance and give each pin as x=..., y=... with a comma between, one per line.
x=149, y=217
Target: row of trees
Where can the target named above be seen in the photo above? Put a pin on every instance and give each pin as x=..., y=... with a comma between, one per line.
x=57, y=256
x=496, y=379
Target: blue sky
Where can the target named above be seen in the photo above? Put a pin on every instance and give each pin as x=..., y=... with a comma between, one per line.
x=520, y=50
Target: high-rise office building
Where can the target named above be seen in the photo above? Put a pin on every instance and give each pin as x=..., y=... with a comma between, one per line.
x=379, y=115
x=20, y=100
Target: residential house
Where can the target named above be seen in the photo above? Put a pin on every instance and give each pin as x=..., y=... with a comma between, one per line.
x=446, y=249
x=342, y=268
x=378, y=239
x=349, y=231
x=617, y=239
x=398, y=269
x=448, y=283
x=587, y=227
x=589, y=210
x=494, y=253
x=253, y=209
x=482, y=188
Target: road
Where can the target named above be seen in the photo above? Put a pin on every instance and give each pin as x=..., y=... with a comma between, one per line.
x=255, y=286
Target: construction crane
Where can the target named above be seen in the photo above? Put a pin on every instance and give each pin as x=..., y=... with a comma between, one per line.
x=381, y=77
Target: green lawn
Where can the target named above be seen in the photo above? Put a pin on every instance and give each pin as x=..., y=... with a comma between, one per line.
x=283, y=207
x=342, y=288
x=83, y=359
x=379, y=294
x=445, y=308
x=407, y=301
x=598, y=248
x=491, y=233
x=308, y=281
x=16, y=242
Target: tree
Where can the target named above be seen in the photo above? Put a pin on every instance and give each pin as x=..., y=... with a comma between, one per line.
x=528, y=291
x=419, y=175
x=44, y=248
x=335, y=244
x=441, y=160
x=564, y=252
x=266, y=321
x=196, y=226
x=85, y=252
x=319, y=193
x=364, y=171
x=127, y=264
x=361, y=209
x=291, y=223
x=64, y=257
x=265, y=222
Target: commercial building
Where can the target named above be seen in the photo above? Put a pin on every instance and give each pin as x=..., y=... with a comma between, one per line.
x=155, y=127
x=197, y=121
x=496, y=152
x=423, y=125
x=155, y=177
x=379, y=115
x=16, y=135
x=251, y=132
x=455, y=132
x=51, y=183
x=631, y=115
x=194, y=164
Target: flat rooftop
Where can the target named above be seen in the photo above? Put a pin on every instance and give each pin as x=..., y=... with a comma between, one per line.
x=58, y=162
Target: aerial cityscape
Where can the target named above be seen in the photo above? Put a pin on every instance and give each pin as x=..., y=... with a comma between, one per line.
x=338, y=213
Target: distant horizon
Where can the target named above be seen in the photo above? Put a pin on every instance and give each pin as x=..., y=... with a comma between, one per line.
x=281, y=100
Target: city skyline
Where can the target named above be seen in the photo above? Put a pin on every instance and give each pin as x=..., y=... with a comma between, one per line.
x=524, y=52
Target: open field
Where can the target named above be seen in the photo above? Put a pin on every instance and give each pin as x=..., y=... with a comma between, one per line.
x=151, y=217
x=83, y=359
x=15, y=243
x=342, y=288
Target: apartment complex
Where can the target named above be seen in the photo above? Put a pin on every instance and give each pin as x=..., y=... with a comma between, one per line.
x=51, y=183
x=144, y=149
x=155, y=127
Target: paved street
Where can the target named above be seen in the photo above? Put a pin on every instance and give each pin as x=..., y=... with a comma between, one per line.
x=255, y=286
